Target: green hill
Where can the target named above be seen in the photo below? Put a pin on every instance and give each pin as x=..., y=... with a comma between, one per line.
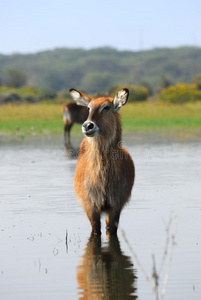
x=97, y=69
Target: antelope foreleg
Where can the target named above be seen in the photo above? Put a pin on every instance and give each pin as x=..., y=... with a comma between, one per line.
x=94, y=218
x=112, y=221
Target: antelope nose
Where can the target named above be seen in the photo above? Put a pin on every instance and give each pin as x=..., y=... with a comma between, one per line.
x=87, y=126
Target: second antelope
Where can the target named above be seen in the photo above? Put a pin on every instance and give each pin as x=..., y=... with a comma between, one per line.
x=105, y=172
x=72, y=113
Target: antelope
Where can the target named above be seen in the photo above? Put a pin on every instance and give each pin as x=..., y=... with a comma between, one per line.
x=105, y=172
x=71, y=114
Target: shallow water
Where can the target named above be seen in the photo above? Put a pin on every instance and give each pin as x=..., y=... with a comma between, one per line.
x=46, y=251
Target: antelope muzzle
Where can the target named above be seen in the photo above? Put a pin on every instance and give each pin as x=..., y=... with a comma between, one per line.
x=90, y=129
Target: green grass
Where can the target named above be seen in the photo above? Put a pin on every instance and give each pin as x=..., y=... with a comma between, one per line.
x=183, y=120
x=44, y=118
x=30, y=119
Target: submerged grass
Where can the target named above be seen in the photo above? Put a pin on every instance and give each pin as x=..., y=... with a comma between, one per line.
x=44, y=118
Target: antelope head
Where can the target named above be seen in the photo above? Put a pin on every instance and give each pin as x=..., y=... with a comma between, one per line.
x=102, y=112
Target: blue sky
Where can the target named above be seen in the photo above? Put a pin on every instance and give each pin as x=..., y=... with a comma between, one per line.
x=29, y=26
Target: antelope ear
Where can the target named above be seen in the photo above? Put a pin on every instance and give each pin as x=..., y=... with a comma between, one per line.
x=120, y=99
x=80, y=98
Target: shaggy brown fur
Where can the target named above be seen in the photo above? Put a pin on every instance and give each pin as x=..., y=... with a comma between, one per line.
x=105, y=171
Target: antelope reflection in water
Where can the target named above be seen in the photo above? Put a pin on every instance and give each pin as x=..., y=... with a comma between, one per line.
x=71, y=152
x=105, y=272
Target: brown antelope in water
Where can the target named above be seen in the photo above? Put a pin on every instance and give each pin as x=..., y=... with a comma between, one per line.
x=105, y=172
x=72, y=113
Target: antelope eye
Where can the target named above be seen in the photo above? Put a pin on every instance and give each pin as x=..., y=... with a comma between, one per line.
x=106, y=108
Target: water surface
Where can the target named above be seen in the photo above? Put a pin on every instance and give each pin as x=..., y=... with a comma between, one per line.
x=46, y=250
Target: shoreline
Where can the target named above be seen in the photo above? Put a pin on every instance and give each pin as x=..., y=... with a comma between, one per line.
x=128, y=138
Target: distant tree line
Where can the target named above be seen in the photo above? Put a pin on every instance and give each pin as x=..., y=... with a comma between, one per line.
x=100, y=70
x=25, y=94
